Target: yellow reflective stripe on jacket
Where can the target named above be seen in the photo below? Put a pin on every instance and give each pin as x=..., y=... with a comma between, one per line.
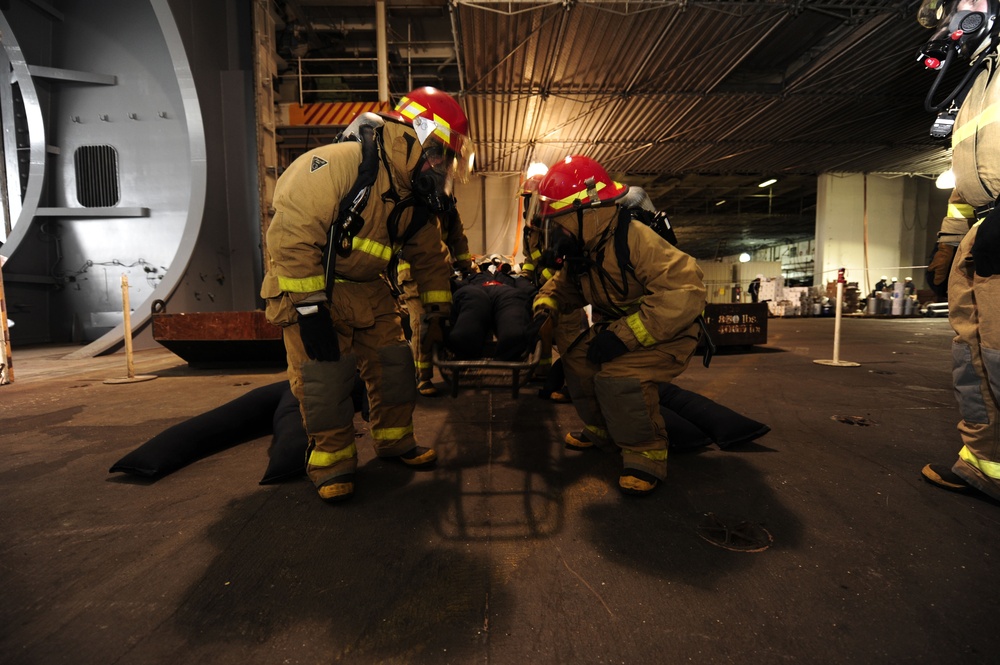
x=302, y=285
x=991, y=469
x=368, y=246
x=527, y=266
x=391, y=433
x=969, y=128
x=403, y=265
x=535, y=254
x=547, y=274
x=464, y=256
x=545, y=302
x=431, y=297
x=639, y=330
x=421, y=364
x=317, y=458
x=961, y=210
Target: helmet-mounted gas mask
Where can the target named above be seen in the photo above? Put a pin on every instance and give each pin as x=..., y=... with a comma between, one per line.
x=963, y=29
x=572, y=188
x=441, y=129
x=433, y=179
x=563, y=250
x=445, y=155
x=557, y=245
x=959, y=25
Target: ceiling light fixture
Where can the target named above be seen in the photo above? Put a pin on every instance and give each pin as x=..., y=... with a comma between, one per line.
x=720, y=202
x=536, y=168
x=744, y=258
x=768, y=183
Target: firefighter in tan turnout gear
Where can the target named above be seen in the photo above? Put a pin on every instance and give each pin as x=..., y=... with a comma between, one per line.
x=646, y=296
x=570, y=325
x=341, y=213
x=968, y=30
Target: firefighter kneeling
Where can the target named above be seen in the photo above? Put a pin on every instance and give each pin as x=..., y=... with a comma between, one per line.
x=647, y=295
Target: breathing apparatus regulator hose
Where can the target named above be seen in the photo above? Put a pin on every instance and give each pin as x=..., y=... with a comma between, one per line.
x=963, y=84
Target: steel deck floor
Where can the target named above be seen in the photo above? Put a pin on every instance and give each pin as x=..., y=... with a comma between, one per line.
x=513, y=549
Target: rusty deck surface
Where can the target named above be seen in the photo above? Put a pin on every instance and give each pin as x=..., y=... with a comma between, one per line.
x=513, y=549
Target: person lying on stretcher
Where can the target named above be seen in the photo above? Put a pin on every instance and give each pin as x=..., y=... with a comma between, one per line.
x=492, y=303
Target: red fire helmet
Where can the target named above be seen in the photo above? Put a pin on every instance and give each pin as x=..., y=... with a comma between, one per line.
x=434, y=114
x=577, y=182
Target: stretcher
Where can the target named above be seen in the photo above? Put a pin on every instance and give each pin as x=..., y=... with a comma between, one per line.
x=487, y=371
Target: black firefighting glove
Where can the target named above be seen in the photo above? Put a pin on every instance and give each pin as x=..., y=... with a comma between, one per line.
x=939, y=268
x=540, y=328
x=605, y=346
x=318, y=335
x=467, y=271
x=986, y=248
x=434, y=329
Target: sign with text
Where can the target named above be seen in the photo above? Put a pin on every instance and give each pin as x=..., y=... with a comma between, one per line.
x=737, y=324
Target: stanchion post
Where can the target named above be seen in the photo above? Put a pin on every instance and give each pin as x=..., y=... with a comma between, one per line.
x=837, y=362
x=127, y=324
x=836, y=324
x=7, y=362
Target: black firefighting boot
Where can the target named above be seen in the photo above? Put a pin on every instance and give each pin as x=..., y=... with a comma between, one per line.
x=578, y=441
x=427, y=389
x=943, y=477
x=338, y=489
x=637, y=483
x=418, y=457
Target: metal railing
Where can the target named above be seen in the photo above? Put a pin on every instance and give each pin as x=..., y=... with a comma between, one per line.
x=338, y=79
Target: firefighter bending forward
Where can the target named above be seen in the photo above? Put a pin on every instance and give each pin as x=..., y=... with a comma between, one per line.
x=329, y=244
x=973, y=225
x=647, y=305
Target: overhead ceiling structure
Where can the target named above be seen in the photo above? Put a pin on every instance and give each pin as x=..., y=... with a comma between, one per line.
x=697, y=101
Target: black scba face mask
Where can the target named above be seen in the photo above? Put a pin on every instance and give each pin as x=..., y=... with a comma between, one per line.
x=432, y=178
x=560, y=249
x=963, y=30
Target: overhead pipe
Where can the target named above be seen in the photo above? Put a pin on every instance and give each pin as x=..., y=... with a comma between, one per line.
x=383, y=51
x=458, y=52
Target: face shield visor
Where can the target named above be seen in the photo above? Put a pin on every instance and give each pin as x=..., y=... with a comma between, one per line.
x=445, y=156
x=433, y=178
x=459, y=148
x=557, y=245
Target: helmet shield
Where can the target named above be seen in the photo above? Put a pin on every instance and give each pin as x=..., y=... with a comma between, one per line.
x=433, y=177
x=559, y=247
x=438, y=120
